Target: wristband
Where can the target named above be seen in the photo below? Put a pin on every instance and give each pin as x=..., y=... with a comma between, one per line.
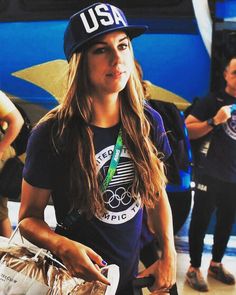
x=211, y=123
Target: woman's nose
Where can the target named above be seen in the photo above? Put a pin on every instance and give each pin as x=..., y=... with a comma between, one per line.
x=115, y=56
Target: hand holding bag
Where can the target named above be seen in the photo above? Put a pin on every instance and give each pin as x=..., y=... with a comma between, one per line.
x=29, y=270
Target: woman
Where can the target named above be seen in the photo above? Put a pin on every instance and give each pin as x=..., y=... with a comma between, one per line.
x=69, y=155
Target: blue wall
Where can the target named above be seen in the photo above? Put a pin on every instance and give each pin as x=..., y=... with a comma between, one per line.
x=177, y=62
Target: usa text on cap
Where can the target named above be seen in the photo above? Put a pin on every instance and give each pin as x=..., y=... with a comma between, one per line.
x=94, y=21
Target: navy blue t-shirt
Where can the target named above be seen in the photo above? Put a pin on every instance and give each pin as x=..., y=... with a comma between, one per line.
x=115, y=235
x=221, y=157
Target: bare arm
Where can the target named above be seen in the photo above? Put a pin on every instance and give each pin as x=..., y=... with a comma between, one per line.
x=197, y=128
x=79, y=259
x=15, y=123
x=164, y=269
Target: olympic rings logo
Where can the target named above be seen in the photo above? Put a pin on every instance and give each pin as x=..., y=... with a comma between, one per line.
x=120, y=196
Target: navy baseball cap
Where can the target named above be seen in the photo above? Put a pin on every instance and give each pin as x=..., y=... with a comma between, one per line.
x=94, y=21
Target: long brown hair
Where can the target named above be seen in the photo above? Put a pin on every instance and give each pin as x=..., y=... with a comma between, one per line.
x=72, y=120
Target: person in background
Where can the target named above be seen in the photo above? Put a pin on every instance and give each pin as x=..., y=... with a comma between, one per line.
x=93, y=154
x=214, y=119
x=11, y=121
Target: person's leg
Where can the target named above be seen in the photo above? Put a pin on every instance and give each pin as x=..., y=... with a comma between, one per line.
x=201, y=214
x=204, y=204
x=5, y=224
x=225, y=217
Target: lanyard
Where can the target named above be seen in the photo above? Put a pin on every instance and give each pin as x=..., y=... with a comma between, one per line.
x=114, y=161
x=72, y=217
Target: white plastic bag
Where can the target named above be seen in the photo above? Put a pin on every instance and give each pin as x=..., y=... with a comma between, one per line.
x=21, y=272
x=28, y=270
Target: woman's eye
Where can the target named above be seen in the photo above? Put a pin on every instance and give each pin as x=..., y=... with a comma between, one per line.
x=123, y=46
x=99, y=50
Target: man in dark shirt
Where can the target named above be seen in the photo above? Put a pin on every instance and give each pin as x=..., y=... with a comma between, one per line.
x=214, y=120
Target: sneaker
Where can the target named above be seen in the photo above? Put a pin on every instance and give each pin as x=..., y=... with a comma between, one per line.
x=196, y=281
x=221, y=274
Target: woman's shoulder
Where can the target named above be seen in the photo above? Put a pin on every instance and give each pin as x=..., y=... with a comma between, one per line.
x=41, y=131
x=153, y=115
x=43, y=127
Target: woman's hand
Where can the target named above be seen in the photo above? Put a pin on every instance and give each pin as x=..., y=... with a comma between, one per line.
x=164, y=272
x=81, y=261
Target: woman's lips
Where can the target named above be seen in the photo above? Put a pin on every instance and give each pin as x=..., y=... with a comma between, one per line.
x=116, y=74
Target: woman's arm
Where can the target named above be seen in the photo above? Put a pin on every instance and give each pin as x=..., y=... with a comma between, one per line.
x=80, y=260
x=160, y=222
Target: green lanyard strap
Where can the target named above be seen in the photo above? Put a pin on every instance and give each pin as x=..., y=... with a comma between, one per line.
x=114, y=161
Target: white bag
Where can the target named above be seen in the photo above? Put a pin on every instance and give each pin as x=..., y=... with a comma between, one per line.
x=28, y=270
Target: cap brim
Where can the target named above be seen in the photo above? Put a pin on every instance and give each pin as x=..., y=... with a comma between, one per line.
x=135, y=31
x=131, y=30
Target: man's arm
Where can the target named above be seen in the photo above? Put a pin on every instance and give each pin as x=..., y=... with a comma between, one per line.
x=197, y=128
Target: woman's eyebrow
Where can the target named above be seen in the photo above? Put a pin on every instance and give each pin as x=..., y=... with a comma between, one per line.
x=122, y=39
x=104, y=42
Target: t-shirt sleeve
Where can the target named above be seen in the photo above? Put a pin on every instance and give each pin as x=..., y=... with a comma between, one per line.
x=41, y=165
x=6, y=105
x=204, y=108
x=159, y=135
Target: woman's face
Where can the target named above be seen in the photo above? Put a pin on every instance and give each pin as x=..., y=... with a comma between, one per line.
x=110, y=63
